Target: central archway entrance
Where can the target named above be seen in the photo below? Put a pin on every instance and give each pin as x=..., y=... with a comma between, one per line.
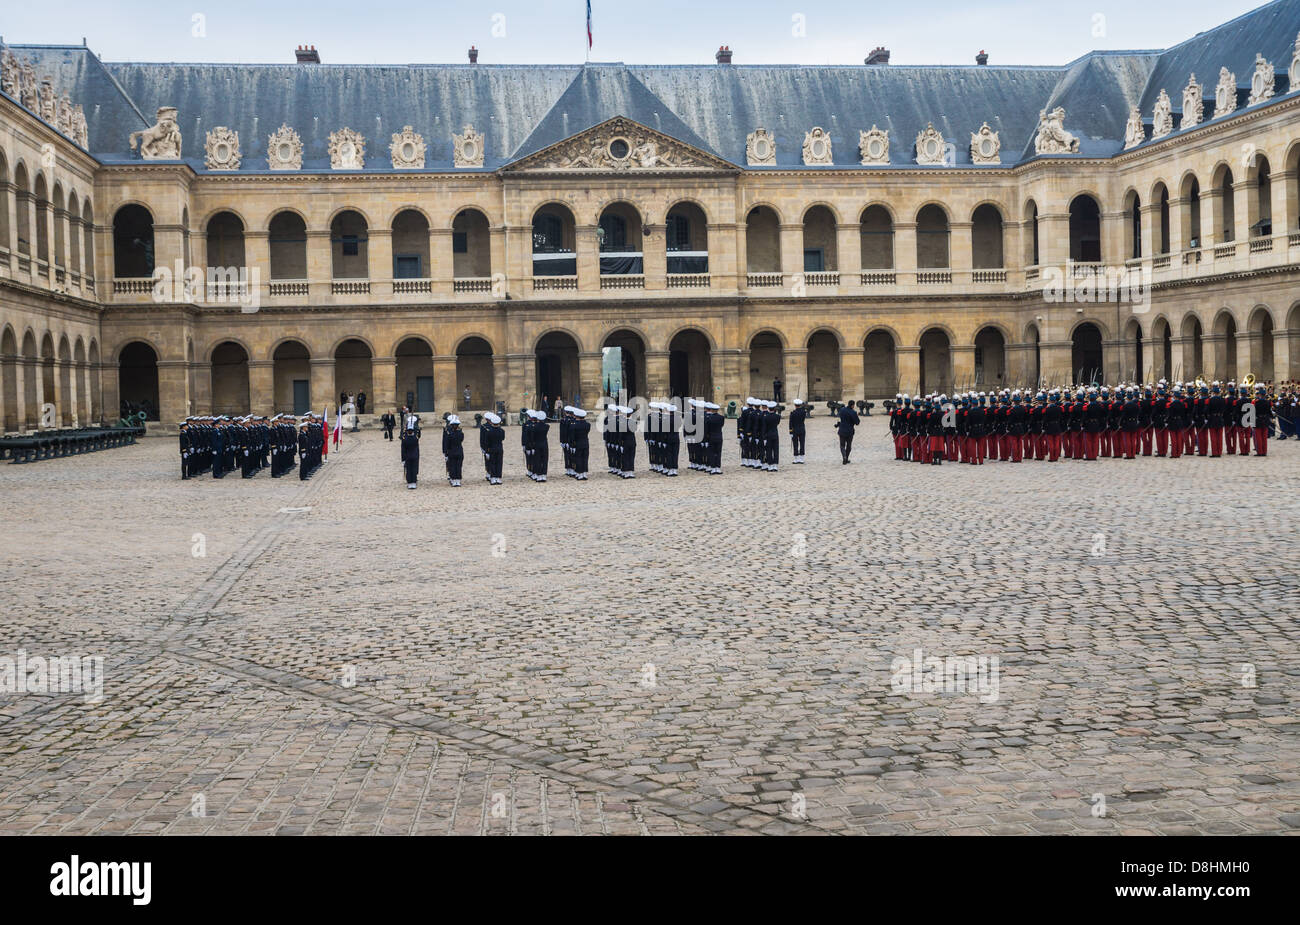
x=415, y=374
x=766, y=363
x=230, y=379
x=137, y=380
x=622, y=365
x=557, y=370
x=936, y=362
x=690, y=365
x=1085, y=354
x=474, y=372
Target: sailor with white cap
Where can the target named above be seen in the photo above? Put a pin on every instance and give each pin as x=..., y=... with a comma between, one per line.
x=797, y=431
x=693, y=431
x=453, y=449
x=411, y=455
x=710, y=451
x=771, y=436
x=579, y=435
x=491, y=441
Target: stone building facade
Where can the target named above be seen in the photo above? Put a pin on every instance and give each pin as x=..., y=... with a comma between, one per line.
x=528, y=231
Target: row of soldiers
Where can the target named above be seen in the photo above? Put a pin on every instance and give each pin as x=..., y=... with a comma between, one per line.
x=575, y=441
x=1082, y=423
x=250, y=443
x=704, y=423
x=759, y=430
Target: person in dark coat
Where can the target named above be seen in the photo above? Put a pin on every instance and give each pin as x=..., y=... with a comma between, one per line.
x=491, y=440
x=846, y=426
x=389, y=422
x=453, y=449
x=411, y=456
x=579, y=436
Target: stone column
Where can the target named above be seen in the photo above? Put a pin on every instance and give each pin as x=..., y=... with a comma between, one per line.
x=730, y=375
x=1245, y=194
x=1019, y=364
x=257, y=257
x=1114, y=354
x=791, y=251
x=656, y=374
x=383, y=384
x=10, y=206
x=322, y=384
x=1214, y=352
x=1054, y=240
x=909, y=369
x=1212, y=216
x=441, y=261
x=379, y=261
x=961, y=251
x=444, y=383
x=70, y=414
x=1245, y=342
x=1177, y=219
x=1056, y=360
x=848, y=249
x=1286, y=208
x=725, y=263
x=501, y=380
x=497, y=262
x=1147, y=236
x=654, y=258
x=589, y=379
x=905, y=256
x=523, y=380
x=741, y=256
x=261, y=387
x=795, y=374
x=20, y=411
x=320, y=263
x=519, y=258
x=171, y=391
x=59, y=254
x=963, y=365
x=1112, y=238
x=851, y=373
x=60, y=400
x=1286, y=353
x=587, y=251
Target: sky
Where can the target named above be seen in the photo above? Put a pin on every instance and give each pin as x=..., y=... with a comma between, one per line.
x=632, y=31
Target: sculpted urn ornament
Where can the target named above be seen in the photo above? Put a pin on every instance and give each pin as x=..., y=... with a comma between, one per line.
x=1134, y=133
x=817, y=147
x=407, y=149
x=161, y=141
x=929, y=146
x=284, y=149
x=1225, y=94
x=1193, y=104
x=873, y=146
x=222, y=149
x=760, y=148
x=1261, y=82
x=984, y=146
x=1162, y=120
x=1052, y=138
x=468, y=147
x=347, y=150
x=1294, y=71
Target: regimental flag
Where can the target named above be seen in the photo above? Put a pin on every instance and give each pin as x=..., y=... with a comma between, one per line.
x=338, y=426
x=325, y=417
x=588, y=25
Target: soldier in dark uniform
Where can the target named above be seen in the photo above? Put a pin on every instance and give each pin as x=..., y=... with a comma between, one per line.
x=713, y=428
x=609, y=431
x=1016, y=423
x=1053, y=424
x=579, y=436
x=1159, y=418
x=798, y=432
x=742, y=430
x=976, y=431
x=566, y=419
x=846, y=426
x=184, y=438
x=491, y=441
x=453, y=449
x=671, y=439
x=896, y=431
x=1130, y=422
x=1201, y=421
x=1144, y=420
x=771, y=437
x=541, y=448
x=627, y=442
x=411, y=457
x=1176, y=421
x=1215, y=410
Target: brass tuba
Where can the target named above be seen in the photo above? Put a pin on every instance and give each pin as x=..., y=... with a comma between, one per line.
x=1249, y=381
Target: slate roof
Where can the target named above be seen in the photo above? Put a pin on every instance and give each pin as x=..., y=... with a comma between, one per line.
x=525, y=108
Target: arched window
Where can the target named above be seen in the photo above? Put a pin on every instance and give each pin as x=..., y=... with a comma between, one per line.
x=132, y=242
x=1085, y=230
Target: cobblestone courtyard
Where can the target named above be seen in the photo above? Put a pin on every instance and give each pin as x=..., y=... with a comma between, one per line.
x=690, y=655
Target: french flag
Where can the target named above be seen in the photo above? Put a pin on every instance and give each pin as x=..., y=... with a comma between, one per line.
x=588, y=25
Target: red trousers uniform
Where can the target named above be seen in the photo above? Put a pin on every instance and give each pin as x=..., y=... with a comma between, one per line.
x=936, y=445
x=1017, y=448
x=1202, y=441
x=975, y=451
x=1261, y=441
x=1053, y=446
x=1243, y=439
x=1091, y=445
x=900, y=446
x=1189, y=441
x=1103, y=442
x=1130, y=441
x=1146, y=441
x=1216, y=441
x=1177, y=440
x=1162, y=441
x=1230, y=439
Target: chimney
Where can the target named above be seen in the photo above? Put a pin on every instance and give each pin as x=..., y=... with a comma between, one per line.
x=724, y=54
x=473, y=55
x=982, y=58
x=307, y=54
x=879, y=55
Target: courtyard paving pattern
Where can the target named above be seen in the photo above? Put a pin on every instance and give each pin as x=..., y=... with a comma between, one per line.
x=683, y=655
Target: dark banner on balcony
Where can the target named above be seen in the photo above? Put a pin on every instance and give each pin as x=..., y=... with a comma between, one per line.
x=620, y=265
x=688, y=264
